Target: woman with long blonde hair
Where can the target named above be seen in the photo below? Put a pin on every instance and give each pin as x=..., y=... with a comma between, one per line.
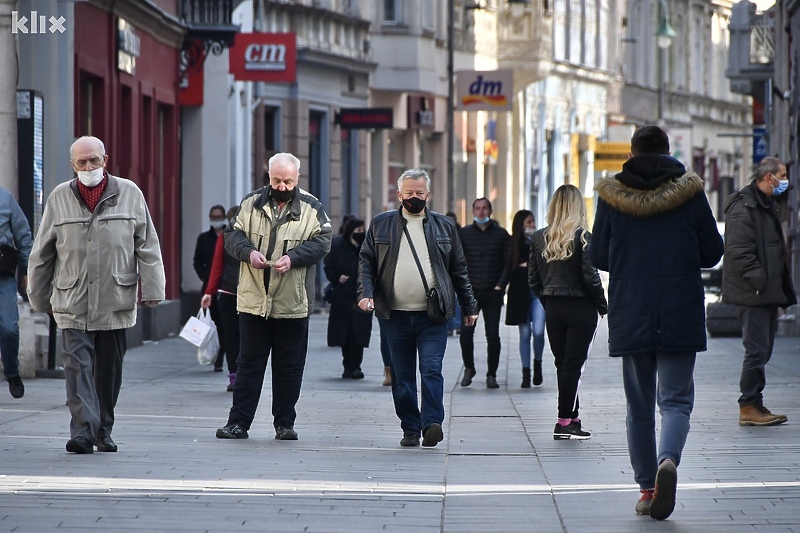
x=561, y=276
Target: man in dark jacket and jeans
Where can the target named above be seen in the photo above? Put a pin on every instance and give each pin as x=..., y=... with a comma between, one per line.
x=399, y=247
x=486, y=248
x=653, y=232
x=757, y=279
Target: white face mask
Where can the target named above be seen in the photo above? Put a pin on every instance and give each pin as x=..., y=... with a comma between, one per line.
x=529, y=231
x=91, y=178
x=218, y=224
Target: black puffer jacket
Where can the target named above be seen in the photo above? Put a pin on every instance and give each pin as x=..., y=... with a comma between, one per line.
x=378, y=261
x=486, y=251
x=653, y=232
x=574, y=277
x=756, y=264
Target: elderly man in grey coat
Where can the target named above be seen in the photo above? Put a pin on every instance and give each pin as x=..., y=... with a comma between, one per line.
x=96, y=243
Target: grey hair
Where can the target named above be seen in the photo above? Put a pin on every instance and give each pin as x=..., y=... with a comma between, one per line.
x=284, y=157
x=95, y=139
x=414, y=174
x=768, y=165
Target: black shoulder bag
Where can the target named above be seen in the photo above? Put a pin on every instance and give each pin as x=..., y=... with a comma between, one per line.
x=436, y=308
x=9, y=258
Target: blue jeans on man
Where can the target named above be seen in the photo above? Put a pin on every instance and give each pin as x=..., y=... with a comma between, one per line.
x=9, y=326
x=412, y=335
x=666, y=379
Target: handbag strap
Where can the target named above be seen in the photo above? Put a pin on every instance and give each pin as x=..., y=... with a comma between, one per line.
x=416, y=259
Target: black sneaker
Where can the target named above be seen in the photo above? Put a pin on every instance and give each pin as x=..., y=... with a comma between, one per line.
x=432, y=436
x=232, y=431
x=664, y=494
x=282, y=433
x=105, y=444
x=469, y=373
x=79, y=445
x=16, y=387
x=491, y=382
x=409, y=439
x=572, y=431
x=357, y=374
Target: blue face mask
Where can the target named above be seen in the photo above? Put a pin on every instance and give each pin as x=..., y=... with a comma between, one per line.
x=484, y=220
x=781, y=188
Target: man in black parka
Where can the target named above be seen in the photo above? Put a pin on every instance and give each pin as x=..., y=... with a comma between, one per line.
x=756, y=278
x=653, y=232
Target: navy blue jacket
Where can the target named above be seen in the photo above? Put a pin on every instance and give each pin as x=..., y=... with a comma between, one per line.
x=653, y=232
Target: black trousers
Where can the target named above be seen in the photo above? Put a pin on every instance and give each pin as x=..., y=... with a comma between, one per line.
x=287, y=340
x=490, y=304
x=759, y=326
x=571, y=323
x=226, y=303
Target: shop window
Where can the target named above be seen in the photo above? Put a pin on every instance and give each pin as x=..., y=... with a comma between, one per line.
x=348, y=143
x=91, y=117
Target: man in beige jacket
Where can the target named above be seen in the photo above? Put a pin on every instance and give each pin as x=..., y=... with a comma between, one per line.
x=96, y=242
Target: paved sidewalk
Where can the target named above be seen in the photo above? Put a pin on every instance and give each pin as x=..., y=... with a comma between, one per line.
x=498, y=469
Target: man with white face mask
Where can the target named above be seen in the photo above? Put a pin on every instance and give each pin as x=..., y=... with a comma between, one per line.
x=203, y=258
x=96, y=244
x=757, y=279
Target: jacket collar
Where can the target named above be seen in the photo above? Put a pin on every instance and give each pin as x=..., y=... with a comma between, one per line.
x=110, y=194
x=294, y=203
x=668, y=196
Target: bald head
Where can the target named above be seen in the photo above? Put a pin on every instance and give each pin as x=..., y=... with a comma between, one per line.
x=87, y=144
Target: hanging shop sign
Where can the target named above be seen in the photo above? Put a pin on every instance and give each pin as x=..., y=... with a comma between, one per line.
x=484, y=90
x=128, y=46
x=360, y=118
x=421, y=112
x=268, y=57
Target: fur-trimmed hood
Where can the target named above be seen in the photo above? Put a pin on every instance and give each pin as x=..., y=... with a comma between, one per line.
x=649, y=185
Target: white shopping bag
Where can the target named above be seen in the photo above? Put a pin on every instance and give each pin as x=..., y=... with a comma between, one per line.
x=199, y=330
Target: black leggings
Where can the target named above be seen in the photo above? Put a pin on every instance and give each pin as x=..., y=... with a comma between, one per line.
x=571, y=323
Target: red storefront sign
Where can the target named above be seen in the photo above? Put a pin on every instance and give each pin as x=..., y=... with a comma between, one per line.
x=268, y=57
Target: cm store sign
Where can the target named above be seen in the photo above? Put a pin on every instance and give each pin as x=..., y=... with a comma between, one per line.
x=485, y=90
x=268, y=57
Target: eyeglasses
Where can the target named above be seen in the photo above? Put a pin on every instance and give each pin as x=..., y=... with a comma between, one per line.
x=95, y=161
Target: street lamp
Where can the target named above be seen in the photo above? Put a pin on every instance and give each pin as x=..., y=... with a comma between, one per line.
x=664, y=37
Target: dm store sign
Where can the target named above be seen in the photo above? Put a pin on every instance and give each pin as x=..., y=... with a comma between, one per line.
x=485, y=90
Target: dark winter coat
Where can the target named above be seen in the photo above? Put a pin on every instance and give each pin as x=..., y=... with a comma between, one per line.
x=756, y=264
x=378, y=261
x=486, y=251
x=574, y=277
x=346, y=318
x=204, y=255
x=653, y=232
x=518, y=303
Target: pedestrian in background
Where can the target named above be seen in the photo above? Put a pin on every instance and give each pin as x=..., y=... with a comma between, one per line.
x=523, y=308
x=485, y=245
x=95, y=248
x=653, y=232
x=401, y=247
x=222, y=285
x=279, y=234
x=757, y=279
x=202, y=260
x=454, y=325
x=348, y=326
x=15, y=247
x=563, y=278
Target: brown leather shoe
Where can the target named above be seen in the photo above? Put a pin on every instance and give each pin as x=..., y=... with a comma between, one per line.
x=758, y=415
x=387, y=376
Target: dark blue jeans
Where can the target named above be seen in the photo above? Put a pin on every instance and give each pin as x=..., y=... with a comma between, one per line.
x=658, y=379
x=287, y=339
x=9, y=326
x=411, y=334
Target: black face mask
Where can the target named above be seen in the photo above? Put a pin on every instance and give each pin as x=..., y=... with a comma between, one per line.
x=414, y=205
x=358, y=238
x=281, y=196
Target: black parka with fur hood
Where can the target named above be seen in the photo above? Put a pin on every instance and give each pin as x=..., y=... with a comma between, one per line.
x=653, y=232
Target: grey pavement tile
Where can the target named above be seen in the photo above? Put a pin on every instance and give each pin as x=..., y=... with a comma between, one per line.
x=497, y=471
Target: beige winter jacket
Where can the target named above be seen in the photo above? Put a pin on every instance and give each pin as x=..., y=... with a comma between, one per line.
x=302, y=232
x=85, y=267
